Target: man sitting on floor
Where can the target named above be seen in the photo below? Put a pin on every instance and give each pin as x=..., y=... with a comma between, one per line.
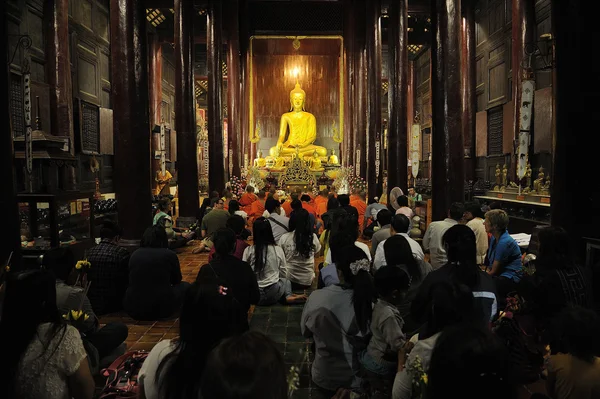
x=213, y=221
x=110, y=274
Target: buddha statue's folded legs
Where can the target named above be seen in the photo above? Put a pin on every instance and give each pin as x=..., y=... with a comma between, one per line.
x=303, y=152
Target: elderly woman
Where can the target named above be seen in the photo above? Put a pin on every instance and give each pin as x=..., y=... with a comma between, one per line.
x=504, y=254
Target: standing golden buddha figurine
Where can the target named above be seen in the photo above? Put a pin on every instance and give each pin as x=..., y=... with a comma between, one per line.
x=302, y=127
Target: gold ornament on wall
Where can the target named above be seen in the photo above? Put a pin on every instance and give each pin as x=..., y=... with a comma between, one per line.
x=256, y=134
x=337, y=136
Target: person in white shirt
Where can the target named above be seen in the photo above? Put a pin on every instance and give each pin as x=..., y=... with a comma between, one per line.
x=267, y=260
x=475, y=220
x=300, y=247
x=234, y=209
x=280, y=224
x=432, y=241
x=399, y=226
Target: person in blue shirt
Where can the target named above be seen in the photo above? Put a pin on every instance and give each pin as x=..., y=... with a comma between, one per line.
x=504, y=254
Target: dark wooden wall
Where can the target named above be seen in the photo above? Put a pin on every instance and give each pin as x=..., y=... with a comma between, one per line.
x=494, y=89
x=27, y=18
x=318, y=63
x=89, y=34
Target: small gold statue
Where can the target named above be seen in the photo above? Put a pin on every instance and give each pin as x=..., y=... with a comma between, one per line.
x=498, y=178
x=333, y=159
x=315, y=163
x=504, y=175
x=528, y=172
x=260, y=161
x=546, y=187
x=538, y=183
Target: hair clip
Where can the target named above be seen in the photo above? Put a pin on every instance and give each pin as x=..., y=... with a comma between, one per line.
x=362, y=264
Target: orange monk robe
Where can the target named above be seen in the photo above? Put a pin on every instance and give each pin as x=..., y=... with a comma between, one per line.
x=309, y=208
x=319, y=200
x=256, y=210
x=321, y=208
x=287, y=207
x=354, y=198
x=361, y=207
x=246, y=200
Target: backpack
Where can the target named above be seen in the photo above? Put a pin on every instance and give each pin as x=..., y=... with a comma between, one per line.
x=122, y=376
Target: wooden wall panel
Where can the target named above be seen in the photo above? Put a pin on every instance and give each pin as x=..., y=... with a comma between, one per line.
x=507, y=124
x=481, y=134
x=542, y=120
x=497, y=83
x=317, y=61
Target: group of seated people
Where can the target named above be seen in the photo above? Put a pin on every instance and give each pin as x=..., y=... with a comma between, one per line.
x=458, y=316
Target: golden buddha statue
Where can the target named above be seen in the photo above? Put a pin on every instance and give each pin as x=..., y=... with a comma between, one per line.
x=260, y=161
x=302, y=127
x=315, y=162
x=333, y=159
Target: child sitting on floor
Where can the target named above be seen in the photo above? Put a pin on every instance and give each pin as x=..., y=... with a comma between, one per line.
x=379, y=361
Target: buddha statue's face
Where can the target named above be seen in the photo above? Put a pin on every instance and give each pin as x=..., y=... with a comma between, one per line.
x=297, y=101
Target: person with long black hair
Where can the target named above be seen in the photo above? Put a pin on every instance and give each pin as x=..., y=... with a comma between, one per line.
x=42, y=356
x=460, y=245
x=398, y=253
x=469, y=361
x=338, y=318
x=231, y=272
x=300, y=246
x=174, y=367
x=247, y=366
x=451, y=304
x=269, y=264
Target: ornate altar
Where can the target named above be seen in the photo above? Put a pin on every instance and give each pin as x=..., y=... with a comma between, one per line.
x=298, y=174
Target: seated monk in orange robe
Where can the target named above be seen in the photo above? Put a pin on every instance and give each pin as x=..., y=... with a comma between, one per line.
x=361, y=207
x=307, y=205
x=257, y=208
x=247, y=199
x=355, y=196
x=322, y=197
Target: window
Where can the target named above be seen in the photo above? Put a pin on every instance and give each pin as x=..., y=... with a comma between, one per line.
x=495, y=130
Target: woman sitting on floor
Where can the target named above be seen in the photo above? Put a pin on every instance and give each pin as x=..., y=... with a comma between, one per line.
x=269, y=264
x=174, y=367
x=299, y=247
x=156, y=288
x=42, y=356
x=231, y=272
x=338, y=318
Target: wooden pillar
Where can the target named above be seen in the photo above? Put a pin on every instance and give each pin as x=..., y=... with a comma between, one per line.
x=469, y=84
x=129, y=69
x=523, y=25
x=8, y=194
x=577, y=96
x=410, y=114
x=346, y=155
x=398, y=97
x=233, y=86
x=448, y=176
x=374, y=96
x=216, y=172
x=59, y=70
x=185, y=114
x=245, y=100
x=155, y=89
x=359, y=139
